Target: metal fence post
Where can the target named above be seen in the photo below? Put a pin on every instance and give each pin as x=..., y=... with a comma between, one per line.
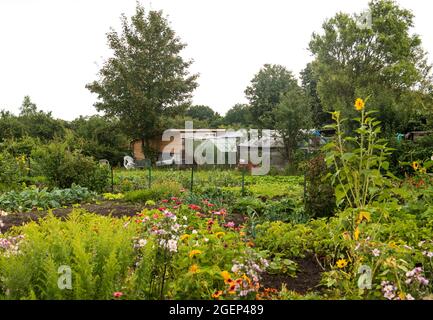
x=192, y=178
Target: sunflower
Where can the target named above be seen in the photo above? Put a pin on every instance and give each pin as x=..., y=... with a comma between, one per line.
x=341, y=263
x=359, y=104
x=415, y=165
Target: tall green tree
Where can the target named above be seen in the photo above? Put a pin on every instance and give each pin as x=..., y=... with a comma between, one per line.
x=201, y=112
x=38, y=123
x=383, y=60
x=265, y=91
x=309, y=84
x=146, y=79
x=238, y=115
x=293, y=117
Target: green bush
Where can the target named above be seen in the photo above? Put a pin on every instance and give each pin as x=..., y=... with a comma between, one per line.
x=12, y=171
x=158, y=191
x=319, y=195
x=63, y=168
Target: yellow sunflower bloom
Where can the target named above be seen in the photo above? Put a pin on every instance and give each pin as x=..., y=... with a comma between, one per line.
x=219, y=234
x=359, y=104
x=415, y=165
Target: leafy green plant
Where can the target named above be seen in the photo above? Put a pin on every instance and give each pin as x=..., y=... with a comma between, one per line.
x=34, y=198
x=358, y=161
x=98, y=250
x=63, y=167
x=158, y=191
x=319, y=195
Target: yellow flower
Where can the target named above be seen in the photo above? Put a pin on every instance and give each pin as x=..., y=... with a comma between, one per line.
x=415, y=165
x=193, y=268
x=359, y=104
x=217, y=294
x=363, y=215
x=193, y=253
x=335, y=115
x=356, y=234
x=245, y=277
x=184, y=237
x=341, y=263
x=226, y=275
x=219, y=234
x=242, y=234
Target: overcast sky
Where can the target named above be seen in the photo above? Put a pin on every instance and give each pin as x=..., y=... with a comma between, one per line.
x=50, y=49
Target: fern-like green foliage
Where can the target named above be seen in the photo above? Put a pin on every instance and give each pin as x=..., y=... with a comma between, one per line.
x=99, y=251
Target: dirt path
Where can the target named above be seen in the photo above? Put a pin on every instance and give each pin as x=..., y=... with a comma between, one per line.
x=105, y=208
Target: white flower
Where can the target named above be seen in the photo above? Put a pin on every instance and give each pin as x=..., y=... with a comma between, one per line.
x=3, y=213
x=142, y=242
x=194, y=232
x=205, y=239
x=409, y=297
x=235, y=268
x=185, y=218
x=376, y=252
x=1, y=224
x=172, y=245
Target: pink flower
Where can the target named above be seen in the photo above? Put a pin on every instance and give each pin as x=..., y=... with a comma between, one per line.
x=164, y=201
x=117, y=294
x=230, y=224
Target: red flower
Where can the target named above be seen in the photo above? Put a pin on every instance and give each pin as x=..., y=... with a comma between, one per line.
x=117, y=294
x=162, y=208
x=173, y=198
x=194, y=207
x=164, y=201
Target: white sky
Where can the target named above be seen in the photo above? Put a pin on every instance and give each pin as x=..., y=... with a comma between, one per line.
x=51, y=48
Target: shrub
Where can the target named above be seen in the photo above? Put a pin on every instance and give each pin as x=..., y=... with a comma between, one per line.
x=12, y=171
x=64, y=168
x=319, y=195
